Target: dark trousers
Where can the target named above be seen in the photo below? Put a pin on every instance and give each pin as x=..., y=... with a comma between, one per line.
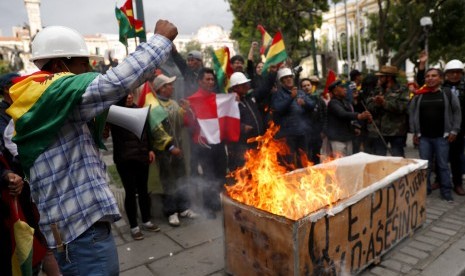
x=134, y=176
x=213, y=161
x=456, y=149
x=174, y=182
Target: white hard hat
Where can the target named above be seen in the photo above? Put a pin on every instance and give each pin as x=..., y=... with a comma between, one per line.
x=56, y=42
x=238, y=78
x=454, y=64
x=283, y=72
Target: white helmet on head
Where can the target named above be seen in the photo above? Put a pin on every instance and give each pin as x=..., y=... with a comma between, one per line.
x=454, y=64
x=284, y=72
x=238, y=78
x=57, y=42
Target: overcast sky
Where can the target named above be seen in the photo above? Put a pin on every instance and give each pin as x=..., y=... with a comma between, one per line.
x=98, y=16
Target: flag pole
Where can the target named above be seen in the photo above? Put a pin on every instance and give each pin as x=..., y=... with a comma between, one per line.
x=140, y=16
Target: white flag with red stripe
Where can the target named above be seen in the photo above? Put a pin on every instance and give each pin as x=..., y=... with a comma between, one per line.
x=218, y=117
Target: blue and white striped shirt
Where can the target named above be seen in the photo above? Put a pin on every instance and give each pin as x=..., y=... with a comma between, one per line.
x=68, y=180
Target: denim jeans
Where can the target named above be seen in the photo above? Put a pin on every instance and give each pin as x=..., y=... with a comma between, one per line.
x=92, y=253
x=438, y=147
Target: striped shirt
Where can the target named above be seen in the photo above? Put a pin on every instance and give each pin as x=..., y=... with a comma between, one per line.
x=68, y=180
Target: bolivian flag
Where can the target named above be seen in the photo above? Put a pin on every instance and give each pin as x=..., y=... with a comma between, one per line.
x=41, y=103
x=157, y=112
x=222, y=67
x=276, y=53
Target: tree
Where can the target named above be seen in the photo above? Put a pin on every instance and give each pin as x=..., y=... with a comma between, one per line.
x=399, y=36
x=289, y=16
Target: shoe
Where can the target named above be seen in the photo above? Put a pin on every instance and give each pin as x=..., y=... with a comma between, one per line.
x=449, y=200
x=173, y=220
x=459, y=190
x=188, y=213
x=136, y=234
x=435, y=186
x=149, y=226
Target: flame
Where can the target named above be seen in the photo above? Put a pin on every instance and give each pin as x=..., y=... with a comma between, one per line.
x=265, y=184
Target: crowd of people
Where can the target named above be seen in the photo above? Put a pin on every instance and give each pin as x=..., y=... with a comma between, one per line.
x=55, y=119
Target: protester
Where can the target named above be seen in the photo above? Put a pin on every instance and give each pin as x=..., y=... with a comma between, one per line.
x=291, y=109
x=388, y=105
x=237, y=63
x=132, y=157
x=342, y=121
x=6, y=81
x=171, y=163
x=435, y=119
x=455, y=82
x=78, y=207
x=189, y=69
x=211, y=158
x=251, y=119
x=317, y=121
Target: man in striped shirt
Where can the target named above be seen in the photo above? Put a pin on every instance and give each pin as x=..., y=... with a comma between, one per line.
x=51, y=109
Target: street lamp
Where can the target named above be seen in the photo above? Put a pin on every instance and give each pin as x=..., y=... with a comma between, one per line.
x=426, y=22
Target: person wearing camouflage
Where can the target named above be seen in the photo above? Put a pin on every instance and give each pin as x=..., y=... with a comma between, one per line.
x=389, y=107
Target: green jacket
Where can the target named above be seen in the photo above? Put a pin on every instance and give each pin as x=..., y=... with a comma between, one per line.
x=391, y=118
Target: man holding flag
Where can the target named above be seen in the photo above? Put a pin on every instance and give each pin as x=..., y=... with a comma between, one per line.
x=51, y=109
x=213, y=120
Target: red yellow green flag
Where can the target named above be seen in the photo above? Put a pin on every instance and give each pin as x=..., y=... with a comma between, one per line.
x=277, y=52
x=41, y=103
x=157, y=112
x=222, y=67
x=137, y=26
x=266, y=40
x=124, y=26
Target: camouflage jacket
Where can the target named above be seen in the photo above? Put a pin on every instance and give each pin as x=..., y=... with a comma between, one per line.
x=391, y=118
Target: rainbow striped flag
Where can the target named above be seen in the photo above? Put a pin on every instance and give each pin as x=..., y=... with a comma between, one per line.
x=222, y=67
x=41, y=103
x=277, y=52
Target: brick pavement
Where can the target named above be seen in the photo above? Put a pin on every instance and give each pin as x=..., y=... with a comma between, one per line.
x=197, y=246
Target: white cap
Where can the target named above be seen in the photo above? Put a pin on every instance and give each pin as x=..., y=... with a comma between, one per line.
x=284, y=72
x=238, y=78
x=161, y=80
x=454, y=64
x=56, y=42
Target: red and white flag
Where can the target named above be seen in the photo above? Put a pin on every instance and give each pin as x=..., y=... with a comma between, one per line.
x=218, y=117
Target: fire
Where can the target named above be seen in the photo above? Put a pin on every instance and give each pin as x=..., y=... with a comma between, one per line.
x=265, y=184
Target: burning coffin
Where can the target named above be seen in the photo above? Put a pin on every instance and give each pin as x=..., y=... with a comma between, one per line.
x=380, y=201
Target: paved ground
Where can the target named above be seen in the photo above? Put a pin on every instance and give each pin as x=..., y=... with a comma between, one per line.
x=197, y=246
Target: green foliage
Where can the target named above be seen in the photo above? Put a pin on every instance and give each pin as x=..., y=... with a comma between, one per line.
x=291, y=17
x=398, y=34
x=4, y=67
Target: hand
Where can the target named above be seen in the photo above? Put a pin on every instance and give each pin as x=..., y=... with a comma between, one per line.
x=451, y=138
x=166, y=29
x=416, y=140
x=176, y=151
x=254, y=45
x=151, y=156
x=365, y=115
x=423, y=57
x=294, y=92
x=300, y=101
x=184, y=104
x=247, y=128
x=379, y=100
x=15, y=183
